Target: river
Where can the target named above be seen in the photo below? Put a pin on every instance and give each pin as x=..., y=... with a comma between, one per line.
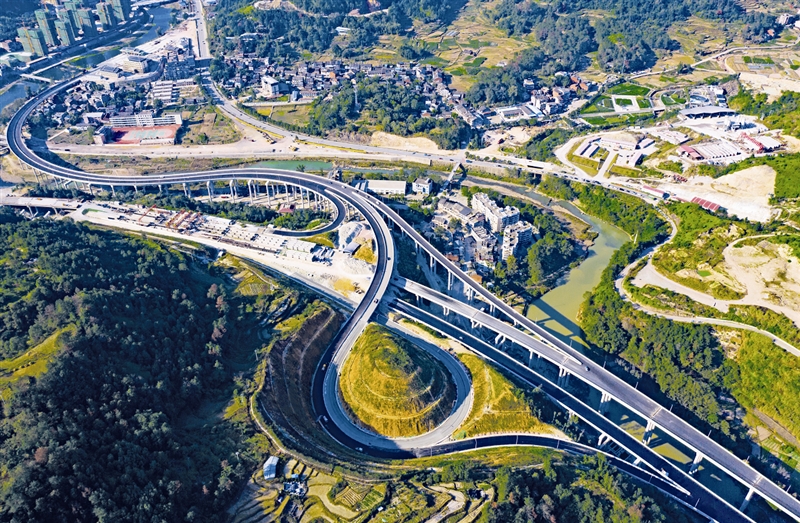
x=557, y=310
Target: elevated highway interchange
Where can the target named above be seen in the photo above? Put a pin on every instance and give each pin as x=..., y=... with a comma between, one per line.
x=570, y=362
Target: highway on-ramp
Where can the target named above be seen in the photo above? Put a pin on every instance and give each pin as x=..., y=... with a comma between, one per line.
x=374, y=211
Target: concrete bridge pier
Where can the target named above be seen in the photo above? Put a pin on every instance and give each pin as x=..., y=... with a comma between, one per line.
x=160, y=190
x=269, y=197
x=433, y=263
x=648, y=432
x=747, y=499
x=605, y=401
x=113, y=192
x=232, y=185
x=449, y=280
x=602, y=440
x=446, y=311
x=696, y=463
x=530, y=358
x=91, y=191
x=499, y=340
x=563, y=377
x=186, y=191
x=210, y=187
x=136, y=189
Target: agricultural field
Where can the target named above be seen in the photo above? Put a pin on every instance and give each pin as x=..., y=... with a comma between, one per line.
x=393, y=387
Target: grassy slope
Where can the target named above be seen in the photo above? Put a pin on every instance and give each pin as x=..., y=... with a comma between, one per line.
x=33, y=363
x=393, y=387
x=498, y=405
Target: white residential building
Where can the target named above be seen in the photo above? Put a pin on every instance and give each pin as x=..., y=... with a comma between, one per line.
x=498, y=217
x=516, y=237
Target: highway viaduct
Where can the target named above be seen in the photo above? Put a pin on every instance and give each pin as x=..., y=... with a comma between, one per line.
x=380, y=217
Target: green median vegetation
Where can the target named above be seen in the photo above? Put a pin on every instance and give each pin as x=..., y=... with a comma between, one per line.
x=393, y=387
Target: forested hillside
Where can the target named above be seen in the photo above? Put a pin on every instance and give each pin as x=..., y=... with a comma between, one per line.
x=142, y=339
x=627, y=36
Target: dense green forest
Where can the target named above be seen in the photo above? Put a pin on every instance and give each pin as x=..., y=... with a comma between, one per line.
x=283, y=34
x=629, y=40
x=142, y=342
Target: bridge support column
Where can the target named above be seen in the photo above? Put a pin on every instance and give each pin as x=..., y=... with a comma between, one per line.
x=113, y=192
x=91, y=191
x=474, y=324
x=605, y=401
x=250, y=189
x=136, y=189
x=232, y=185
x=470, y=293
x=602, y=440
x=159, y=190
x=696, y=463
x=747, y=499
x=499, y=340
x=637, y=461
x=433, y=263
x=449, y=280
x=648, y=432
x=491, y=309
x=210, y=187
x=185, y=190
x=269, y=198
x=419, y=301
x=563, y=377
x=446, y=311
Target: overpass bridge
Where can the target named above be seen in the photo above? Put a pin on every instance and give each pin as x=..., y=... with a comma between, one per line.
x=380, y=218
